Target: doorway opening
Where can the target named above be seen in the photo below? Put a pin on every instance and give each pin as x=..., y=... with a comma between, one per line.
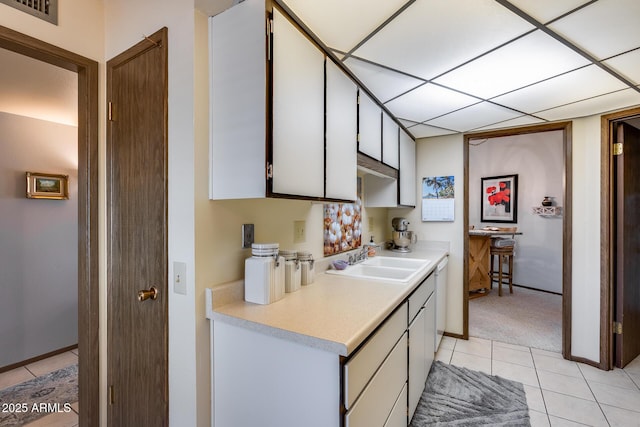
x=563, y=223
x=87, y=78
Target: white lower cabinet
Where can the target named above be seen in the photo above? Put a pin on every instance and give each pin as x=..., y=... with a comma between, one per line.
x=417, y=360
x=398, y=416
x=378, y=385
x=363, y=365
x=422, y=318
x=378, y=399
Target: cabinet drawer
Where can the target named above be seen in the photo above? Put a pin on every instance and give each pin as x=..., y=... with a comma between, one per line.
x=398, y=416
x=420, y=296
x=361, y=367
x=376, y=402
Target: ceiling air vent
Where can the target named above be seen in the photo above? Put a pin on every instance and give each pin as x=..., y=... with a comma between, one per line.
x=44, y=9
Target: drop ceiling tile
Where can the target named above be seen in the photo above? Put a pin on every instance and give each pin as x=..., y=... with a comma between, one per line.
x=604, y=28
x=428, y=101
x=384, y=83
x=601, y=104
x=343, y=24
x=425, y=131
x=546, y=10
x=518, y=121
x=574, y=86
x=475, y=116
x=527, y=60
x=628, y=65
x=433, y=36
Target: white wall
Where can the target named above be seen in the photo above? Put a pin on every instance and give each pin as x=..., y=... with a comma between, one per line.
x=538, y=159
x=125, y=24
x=80, y=26
x=442, y=156
x=38, y=241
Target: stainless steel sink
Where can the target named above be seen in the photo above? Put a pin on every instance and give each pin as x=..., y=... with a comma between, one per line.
x=391, y=269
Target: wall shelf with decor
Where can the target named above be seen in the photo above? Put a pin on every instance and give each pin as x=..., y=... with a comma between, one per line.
x=547, y=211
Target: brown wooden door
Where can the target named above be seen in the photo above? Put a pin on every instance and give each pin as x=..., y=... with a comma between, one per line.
x=627, y=253
x=137, y=234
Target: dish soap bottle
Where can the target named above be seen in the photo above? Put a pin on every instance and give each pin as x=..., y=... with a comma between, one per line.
x=371, y=248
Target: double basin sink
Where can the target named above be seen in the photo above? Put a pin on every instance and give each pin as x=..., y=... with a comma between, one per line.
x=391, y=269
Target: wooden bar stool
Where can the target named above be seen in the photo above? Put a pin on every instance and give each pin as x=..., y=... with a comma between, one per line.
x=504, y=250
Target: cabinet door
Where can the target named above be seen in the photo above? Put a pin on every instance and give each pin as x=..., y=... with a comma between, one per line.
x=298, y=112
x=430, y=334
x=417, y=359
x=238, y=95
x=390, y=141
x=407, y=170
x=341, y=135
x=369, y=127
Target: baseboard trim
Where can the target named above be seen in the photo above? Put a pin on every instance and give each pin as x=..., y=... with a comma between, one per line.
x=536, y=289
x=37, y=358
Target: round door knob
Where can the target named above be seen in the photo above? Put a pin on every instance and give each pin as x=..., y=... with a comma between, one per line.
x=145, y=294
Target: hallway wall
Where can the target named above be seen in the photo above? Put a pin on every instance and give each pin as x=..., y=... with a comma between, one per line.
x=38, y=241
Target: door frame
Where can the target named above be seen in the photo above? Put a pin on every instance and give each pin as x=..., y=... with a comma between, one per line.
x=607, y=284
x=566, y=128
x=88, y=288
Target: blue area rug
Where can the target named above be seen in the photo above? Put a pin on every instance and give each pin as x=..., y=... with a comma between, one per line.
x=30, y=400
x=457, y=396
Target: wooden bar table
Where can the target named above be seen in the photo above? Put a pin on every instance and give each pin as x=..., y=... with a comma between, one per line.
x=479, y=264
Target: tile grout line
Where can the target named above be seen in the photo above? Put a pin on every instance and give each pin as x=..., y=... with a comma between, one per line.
x=593, y=394
x=544, y=401
x=34, y=375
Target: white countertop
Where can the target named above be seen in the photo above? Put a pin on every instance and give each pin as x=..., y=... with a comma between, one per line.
x=335, y=313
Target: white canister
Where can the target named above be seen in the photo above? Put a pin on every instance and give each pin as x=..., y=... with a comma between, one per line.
x=264, y=274
x=306, y=265
x=292, y=270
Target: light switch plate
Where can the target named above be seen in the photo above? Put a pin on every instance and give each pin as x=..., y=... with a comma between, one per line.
x=180, y=278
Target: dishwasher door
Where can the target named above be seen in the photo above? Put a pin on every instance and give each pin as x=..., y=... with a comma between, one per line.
x=441, y=300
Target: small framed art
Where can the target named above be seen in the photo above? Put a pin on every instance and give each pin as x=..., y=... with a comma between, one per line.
x=47, y=186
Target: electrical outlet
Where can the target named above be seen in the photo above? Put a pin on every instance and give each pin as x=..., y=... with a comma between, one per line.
x=299, y=231
x=180, y=278
x=247, y=235
x=370, y=223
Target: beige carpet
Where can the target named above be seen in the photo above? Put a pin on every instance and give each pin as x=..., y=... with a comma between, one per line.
x=526, y=317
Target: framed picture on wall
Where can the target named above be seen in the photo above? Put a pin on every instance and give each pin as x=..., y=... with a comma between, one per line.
x=47, y=186
x=499, y=198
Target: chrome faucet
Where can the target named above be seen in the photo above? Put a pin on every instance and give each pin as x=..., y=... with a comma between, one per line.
x=358, y=257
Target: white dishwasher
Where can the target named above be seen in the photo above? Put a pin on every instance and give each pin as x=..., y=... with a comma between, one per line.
x=441, y=300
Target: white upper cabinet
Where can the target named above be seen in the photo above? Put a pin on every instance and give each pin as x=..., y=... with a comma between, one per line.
x=369, y=127
x=238, y=93
x=390, y=141
x=341, y=134
x=298, y=112
x=407, y=172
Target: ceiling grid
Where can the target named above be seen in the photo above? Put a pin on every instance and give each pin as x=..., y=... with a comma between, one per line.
x=445, y=66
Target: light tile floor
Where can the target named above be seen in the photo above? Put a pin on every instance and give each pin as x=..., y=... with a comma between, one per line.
x=559, y=392
x=42, y=367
